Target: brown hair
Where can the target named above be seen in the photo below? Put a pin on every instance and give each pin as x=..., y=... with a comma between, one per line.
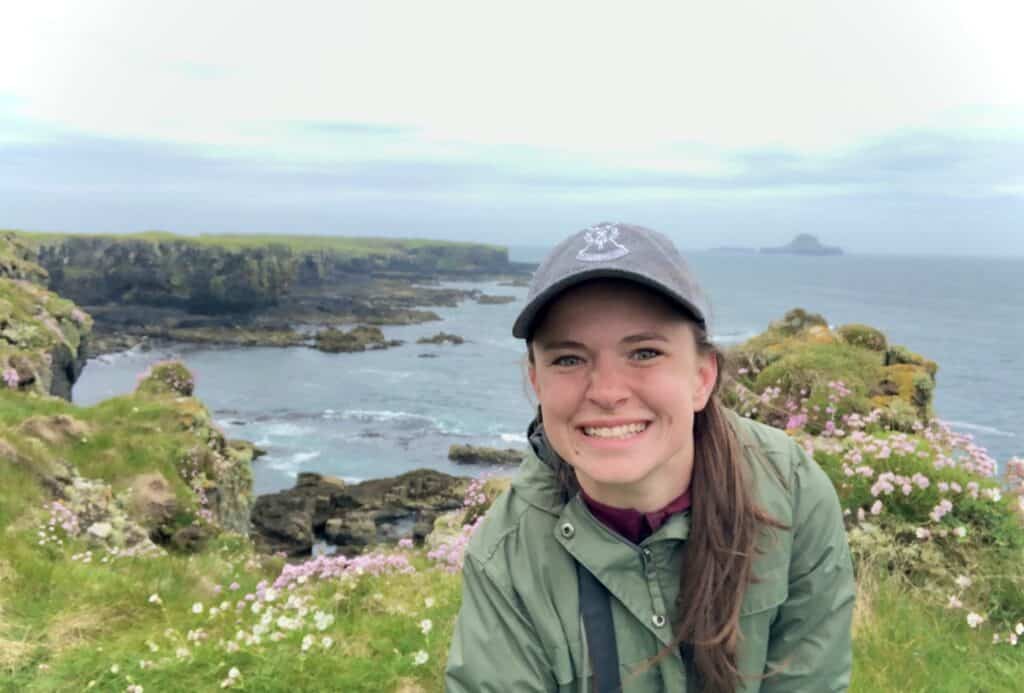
x=717, y=564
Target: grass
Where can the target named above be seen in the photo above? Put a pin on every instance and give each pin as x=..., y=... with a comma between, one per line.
x=356, y=246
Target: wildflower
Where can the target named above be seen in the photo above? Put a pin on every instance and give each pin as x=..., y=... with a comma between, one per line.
x=307, y=642
x=1019, y=629
x=322, y=620
x=974, y=620
x=960, y=531
x=995, y=638
x=963, y=582
x=405, y=543
x=11, y=378
x=420, y=658
x=234, y=586
x=429, y=602
x=155, y=599
x=134, y=688
x=327, y=642
x=114, y=669
x=922, y=533
x=425, y=625
x=233, y=675
x=182, y=653
x=1013, y=639
x=197, y=608
x=954, y=603
x=876, y=507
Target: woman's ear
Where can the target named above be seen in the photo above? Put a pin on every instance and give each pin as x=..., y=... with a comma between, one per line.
x=707, y=376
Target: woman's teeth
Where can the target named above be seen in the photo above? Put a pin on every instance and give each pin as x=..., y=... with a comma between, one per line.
x=615, y=431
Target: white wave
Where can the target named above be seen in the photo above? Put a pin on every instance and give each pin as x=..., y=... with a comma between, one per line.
x=369, y=415
x=300, y=457
x=990, y=430
x=262, y=442
x=513, y=438
x=287, y=430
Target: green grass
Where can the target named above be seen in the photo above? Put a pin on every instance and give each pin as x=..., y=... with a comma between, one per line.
x=901, y=644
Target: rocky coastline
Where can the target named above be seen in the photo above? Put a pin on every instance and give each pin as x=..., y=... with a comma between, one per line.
x=277, y=292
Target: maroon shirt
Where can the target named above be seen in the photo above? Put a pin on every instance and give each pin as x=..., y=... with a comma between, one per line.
x=633, y=524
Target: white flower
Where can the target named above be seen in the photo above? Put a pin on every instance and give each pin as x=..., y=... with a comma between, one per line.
x=960, y=531
x=234, y=673
x=197, y=608
x=420, y=658
x=327, y=641
x=114, y=669
x=155, y=599
x=429, y=602
x=307, y=642
x=954, y=603
x=425, y=625
x=1019, y=629
x=963, y=582
x=134, y=688
x=181, y=653
x=974, y=620
x=922, y=533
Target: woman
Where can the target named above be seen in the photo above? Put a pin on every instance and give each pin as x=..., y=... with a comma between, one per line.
x=652, y=540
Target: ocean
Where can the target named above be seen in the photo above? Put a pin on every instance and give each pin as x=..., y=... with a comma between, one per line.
x=381, y=413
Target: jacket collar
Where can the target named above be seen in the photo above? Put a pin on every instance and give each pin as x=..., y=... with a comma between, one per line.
x=536, y=480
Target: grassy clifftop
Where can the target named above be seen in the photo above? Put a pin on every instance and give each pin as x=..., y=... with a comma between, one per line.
x=236, y=273
x=937, y=539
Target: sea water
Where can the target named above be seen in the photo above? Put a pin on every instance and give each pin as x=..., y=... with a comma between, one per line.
x=380, y=413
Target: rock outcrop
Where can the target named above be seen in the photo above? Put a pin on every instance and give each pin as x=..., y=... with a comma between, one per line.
x=43, y=337
x=441, y=338
x=353, y=516
x=799, y=364
x=478, y=454
x=360, y=338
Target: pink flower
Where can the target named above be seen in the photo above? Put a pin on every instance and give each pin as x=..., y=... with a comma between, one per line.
x=11, y=378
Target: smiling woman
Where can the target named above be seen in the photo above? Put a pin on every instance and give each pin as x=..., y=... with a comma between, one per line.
x=653, y=541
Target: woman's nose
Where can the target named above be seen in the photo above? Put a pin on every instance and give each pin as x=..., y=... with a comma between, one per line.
x=608, y=387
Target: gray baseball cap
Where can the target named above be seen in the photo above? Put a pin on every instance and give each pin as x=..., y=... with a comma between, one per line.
x=618, y=251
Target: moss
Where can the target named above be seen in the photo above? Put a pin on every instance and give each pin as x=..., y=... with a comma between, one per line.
x=910, y=382
x=863, y=336
x=167, y=378
x=897, y=354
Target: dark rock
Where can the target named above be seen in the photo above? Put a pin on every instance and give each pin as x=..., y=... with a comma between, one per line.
x=485, y=299
x=474, y=454
x=441, y=338
x=353, y=516
x=357, y=339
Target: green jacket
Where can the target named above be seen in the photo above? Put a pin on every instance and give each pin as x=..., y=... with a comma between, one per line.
x=520, y=629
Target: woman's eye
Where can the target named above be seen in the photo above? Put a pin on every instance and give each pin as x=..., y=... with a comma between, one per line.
x=566, y=361
x=646, y=354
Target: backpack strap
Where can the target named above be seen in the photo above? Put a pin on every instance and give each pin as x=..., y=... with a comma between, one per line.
x=596, y=607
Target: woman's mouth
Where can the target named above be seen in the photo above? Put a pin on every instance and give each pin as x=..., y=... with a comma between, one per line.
x=620, y=432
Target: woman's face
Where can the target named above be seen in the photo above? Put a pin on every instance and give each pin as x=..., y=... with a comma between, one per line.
x=619, y=378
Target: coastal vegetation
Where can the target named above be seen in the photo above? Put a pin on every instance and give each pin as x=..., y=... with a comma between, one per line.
x=127, y=563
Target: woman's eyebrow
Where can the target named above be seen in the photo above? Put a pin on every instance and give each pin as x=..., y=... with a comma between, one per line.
x=560, y=344
x=644, y=337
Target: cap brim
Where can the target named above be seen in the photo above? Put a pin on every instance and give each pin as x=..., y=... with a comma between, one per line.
x=524, y=324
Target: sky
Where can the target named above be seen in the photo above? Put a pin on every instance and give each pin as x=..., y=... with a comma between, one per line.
x=879, y=126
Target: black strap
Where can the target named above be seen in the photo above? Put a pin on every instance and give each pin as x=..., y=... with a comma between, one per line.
x=596, y=606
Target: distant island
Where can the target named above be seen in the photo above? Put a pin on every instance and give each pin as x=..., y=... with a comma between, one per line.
x=803, y=244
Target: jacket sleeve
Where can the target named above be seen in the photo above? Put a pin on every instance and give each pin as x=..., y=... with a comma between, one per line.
x=810, y=647
x=494, y=647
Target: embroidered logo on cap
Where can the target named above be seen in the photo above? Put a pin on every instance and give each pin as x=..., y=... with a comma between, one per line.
x=602, y=244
